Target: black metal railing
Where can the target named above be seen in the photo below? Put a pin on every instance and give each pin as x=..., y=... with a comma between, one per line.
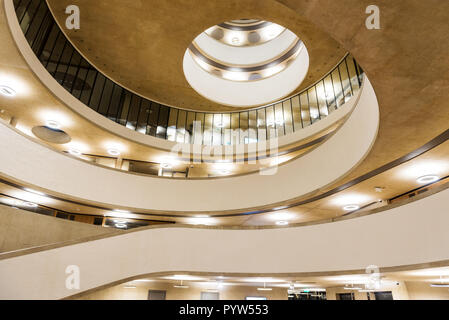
x=118, y=104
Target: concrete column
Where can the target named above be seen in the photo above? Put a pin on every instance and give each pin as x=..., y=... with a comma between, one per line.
x=13, y=121
x=118, y=163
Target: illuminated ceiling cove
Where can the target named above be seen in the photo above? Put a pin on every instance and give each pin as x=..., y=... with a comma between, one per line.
x=244, y=52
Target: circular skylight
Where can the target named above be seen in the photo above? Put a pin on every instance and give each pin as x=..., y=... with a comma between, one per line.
x=237, y=56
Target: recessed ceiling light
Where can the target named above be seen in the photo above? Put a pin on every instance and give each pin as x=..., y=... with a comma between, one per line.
x=30, y=205
x=282, y=223
x=53, y=124
x=7, y=91
x=439, y=285
x=428, y=179
x=120, y=225
x=264, y=289
x=75, y=152
x=235, y=40
x=121, y=211
x=352, y=288
x=113, y=152
x=180, y=286
x=351, y=207
x=166, y=166
x=379, y=189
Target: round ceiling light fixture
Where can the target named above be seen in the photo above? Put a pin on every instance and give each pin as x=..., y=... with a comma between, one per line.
x=166, y=165
x=53, y=124
x=351, y=207
x=114, y=152
x=7, y=91
x=235, y=41
x=120, y=225
x=224, y=171
x=75, y=152
x=265, y=288
x=30, y=205
x=428, y=179
x=168, y=162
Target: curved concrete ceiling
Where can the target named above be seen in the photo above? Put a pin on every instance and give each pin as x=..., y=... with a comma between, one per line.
x=145, y=53
x=409, y=70
x=406, y=62
x=298, y=177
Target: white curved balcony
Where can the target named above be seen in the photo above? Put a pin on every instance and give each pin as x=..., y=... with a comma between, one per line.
x=35, y=165
x=386, y=239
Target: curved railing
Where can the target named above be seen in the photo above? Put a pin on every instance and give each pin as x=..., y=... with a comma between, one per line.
x=86, y=83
